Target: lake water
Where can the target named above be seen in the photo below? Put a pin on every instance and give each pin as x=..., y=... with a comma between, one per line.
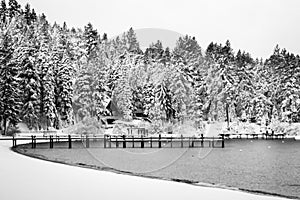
x=266, y=166
x=255, y=165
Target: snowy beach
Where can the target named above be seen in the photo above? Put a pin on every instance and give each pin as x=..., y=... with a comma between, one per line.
x=28, y=178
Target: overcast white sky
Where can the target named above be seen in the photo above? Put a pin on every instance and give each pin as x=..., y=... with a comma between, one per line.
x=253, y=25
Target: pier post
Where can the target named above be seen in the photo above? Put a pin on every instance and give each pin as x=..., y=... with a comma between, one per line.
x=151, y=142
x=34, y=141
x=223, y=142
x=181, y=137
x=142, y=141
x=159, y=141
x=104, y=141
x=51, y=142
x=32, y=144
x=14, y=141
x=87, y=141
x=202, y=138
x=117, y=143
x=109, y=142
x=213, y=142
x=132, y=141
x=70, y=141
x=124, y=141
x=171, y=142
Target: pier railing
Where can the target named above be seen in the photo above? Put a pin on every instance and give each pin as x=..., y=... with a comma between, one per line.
x=160, y=141
x=121, y=141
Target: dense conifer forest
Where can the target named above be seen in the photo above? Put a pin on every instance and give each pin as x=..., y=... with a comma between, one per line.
x=52, y=75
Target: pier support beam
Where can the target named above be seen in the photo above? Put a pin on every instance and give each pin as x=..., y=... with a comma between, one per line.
x=159, y=141
x=70, y=141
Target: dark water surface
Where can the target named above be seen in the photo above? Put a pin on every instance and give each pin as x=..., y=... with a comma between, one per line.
x=267, y=166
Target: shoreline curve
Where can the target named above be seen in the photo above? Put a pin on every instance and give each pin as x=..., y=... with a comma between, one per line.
x=18, y=150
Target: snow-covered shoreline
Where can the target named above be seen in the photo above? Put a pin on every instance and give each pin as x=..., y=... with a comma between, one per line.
x=25, y=178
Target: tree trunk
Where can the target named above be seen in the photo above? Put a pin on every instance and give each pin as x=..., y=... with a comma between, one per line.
x=4, y=126
x=1, y=126
x=227, y=115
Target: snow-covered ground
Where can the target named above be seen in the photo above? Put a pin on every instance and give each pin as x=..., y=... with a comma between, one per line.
x=26, y=178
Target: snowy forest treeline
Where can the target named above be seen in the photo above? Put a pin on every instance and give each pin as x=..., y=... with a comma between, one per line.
x=53, y=76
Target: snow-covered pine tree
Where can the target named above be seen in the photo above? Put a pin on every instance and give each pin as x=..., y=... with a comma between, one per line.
x=14, y=9
x=132, y=43
x=283, y=85
x=182, y=93
x=44, y=64
x=148, y=100
x=188, y=57
x=30, y=82
x=220, y=79
x=10, y=101
x=58, y=45
x=154, y=52
x=49, y=108
x=188, y=51
x=103, y=92
x=65, y=91
x=122, y=93
x=27, y=14
x=91, y=40
x=3, y=12
x=244, y=89
x=162, y=109
x=86, y=84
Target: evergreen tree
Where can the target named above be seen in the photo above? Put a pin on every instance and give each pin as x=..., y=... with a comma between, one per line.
x=154, y=52
x=65, y=91
x=91, y=40
x=283, y=87
x=27, y=14
x=132, y=42
x=14, y=8
x=29, y=80
x=162, y=109
x=48, y=112
x=63, y=76
x=33, y=15
x=3, y=12
x=188, y=52
x=182, y=93
x=220, y=79
x=10, y=102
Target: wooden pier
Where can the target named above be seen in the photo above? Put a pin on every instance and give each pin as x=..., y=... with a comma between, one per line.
x=141, y=140
x=122, y=141
x=111, y=141
x=254, y=136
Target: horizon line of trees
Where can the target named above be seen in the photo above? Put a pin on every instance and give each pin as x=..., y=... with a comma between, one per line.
x=54, y=76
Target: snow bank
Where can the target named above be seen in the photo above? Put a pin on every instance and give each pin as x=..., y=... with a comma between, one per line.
x=291, y=129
